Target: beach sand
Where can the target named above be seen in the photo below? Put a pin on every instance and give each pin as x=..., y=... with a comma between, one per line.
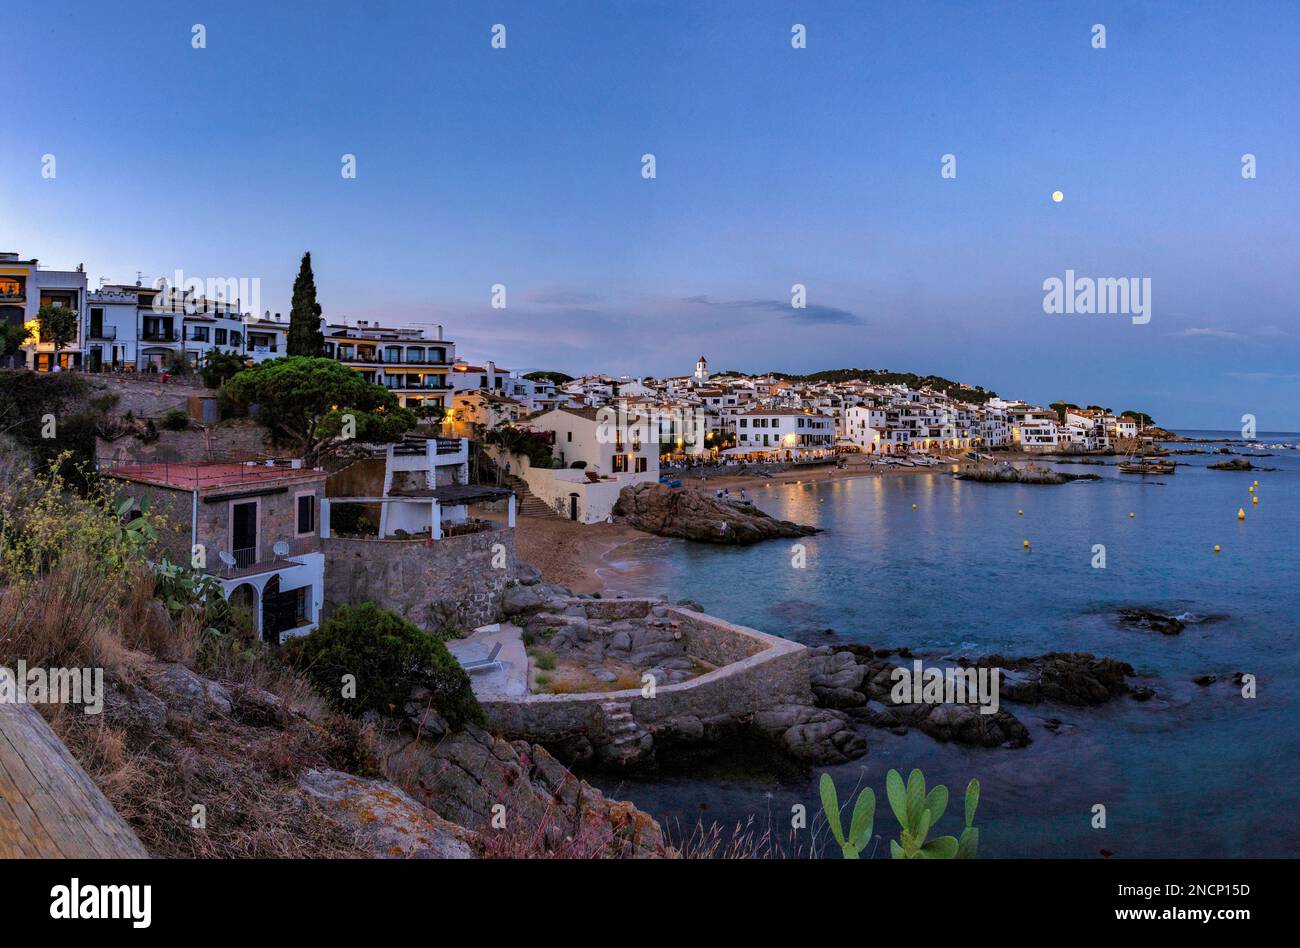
x=568, y=553
x=574, y=555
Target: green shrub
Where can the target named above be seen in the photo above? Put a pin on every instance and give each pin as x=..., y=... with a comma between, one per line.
x=388, y=657
x=220, y=367
x=177, y=419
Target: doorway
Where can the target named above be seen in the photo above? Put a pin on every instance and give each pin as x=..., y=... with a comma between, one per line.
x=243, y=533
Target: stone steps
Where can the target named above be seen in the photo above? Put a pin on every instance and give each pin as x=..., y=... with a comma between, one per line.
x=619, y=723
x=530, y=505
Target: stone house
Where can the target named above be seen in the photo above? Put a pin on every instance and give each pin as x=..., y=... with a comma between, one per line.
x=253, y=526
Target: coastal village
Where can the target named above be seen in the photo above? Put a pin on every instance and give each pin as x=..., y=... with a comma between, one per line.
x=463, y=507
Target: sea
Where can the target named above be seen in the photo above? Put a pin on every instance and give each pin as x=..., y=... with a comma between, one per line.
x=939, y=566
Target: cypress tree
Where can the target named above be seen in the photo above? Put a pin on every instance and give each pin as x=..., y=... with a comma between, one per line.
x=305, y=336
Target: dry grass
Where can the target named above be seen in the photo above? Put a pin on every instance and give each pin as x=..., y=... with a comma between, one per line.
x=243, y=774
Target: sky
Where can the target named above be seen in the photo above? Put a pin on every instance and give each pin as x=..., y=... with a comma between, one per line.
x=774, y=166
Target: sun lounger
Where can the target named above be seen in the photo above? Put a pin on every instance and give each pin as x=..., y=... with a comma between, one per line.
x=491, y=663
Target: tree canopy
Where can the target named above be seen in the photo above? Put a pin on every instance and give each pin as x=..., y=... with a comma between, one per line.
x=556, y=378
x=58, y=324
x=319, y=406
x=305, y=336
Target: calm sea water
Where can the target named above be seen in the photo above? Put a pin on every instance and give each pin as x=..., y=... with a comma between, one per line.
x=1196, y=772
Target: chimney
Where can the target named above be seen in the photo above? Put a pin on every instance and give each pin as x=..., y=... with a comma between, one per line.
x=437, y=332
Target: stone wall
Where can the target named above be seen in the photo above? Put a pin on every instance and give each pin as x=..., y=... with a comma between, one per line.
x=241, y=439
x=767, y=672
x=173, y=511
x=422, y=580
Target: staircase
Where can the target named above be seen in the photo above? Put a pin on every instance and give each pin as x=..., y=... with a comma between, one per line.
x=530, y=505
x=627, y=742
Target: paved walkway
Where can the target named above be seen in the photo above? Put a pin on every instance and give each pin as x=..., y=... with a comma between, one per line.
x=511, y=679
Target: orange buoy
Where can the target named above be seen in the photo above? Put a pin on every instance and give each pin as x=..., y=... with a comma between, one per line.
x=1241, y=513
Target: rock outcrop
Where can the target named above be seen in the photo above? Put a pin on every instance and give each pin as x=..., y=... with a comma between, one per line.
x=811, y=735
x=1004, y=473
x=1140, y=618
x=857, y=680
x=386, y=822
x=698, y=515
x=475, y=780
x=1074, y=678
x=1237, y=464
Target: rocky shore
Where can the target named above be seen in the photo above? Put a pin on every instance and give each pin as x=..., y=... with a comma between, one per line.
x=698, y=515
x=860, y=680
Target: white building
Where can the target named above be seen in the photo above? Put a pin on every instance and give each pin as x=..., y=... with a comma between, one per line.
x=701, y=370
x=783, y=434
x=25, y=287
x=599, y=453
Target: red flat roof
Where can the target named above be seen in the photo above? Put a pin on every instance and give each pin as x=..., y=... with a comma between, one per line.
x=208, y=475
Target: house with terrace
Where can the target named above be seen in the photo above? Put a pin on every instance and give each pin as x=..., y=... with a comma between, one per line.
x=597, y=452
x=253, y=526
x=401, y=359
x=405, y=529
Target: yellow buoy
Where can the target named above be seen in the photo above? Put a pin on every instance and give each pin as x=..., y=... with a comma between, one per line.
x=1020, y=513
x=1026, y=544
x=1251, y=488
x=913, y=506
x=1241, y=513
x=1256, y=484
x=1254, y=500
x=1130, y=515
x=1216, y=548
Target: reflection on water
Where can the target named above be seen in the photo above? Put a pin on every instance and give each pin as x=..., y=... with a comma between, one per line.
x=1198, y=771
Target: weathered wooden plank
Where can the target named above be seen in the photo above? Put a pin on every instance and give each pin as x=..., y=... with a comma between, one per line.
x=49, y=806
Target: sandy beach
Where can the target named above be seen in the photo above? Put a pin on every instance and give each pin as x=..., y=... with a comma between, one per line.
x=574, y=554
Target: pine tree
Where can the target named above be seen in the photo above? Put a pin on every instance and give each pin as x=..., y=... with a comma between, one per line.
x=305, y=336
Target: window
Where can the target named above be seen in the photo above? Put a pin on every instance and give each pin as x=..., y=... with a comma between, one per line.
x=620, y=464
x=640, y=465
x=568, y=436
x=306, y=513
x=744, y=423
x=199, y=333
x=219, y=337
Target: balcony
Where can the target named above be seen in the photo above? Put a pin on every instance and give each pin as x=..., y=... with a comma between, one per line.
x=102, y=332
x=160, y=335
x=247, y=561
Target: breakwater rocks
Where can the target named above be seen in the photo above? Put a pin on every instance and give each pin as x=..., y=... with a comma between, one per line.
x=860, y=681
x=1004, y=473
x=700, y=516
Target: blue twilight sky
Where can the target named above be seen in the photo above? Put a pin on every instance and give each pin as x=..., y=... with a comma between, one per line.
x=775, y=166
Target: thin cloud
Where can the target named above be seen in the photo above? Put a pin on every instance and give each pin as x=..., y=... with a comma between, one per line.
x=815, y=313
